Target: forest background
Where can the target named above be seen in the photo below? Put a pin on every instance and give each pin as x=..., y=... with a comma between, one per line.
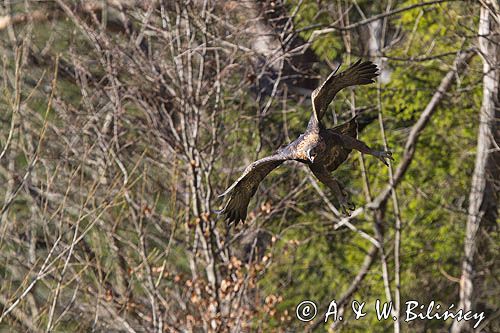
x=121, y=121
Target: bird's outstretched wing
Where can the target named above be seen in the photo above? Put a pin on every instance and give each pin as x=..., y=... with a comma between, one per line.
x=359, y=73
x=242, y=190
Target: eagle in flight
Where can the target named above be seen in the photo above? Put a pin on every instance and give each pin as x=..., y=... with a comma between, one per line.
x=322, y=149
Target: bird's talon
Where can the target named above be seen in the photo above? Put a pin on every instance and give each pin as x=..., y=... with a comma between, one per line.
x=382, y=155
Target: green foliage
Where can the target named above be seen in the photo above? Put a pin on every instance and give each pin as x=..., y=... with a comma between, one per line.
x=433, y=196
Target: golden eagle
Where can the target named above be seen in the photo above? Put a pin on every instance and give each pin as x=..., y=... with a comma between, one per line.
x=322, y=149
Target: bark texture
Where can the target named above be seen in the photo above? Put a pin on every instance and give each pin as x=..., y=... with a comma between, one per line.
x=482, y=183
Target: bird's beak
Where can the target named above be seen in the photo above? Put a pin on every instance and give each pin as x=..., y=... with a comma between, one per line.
x=309, y=157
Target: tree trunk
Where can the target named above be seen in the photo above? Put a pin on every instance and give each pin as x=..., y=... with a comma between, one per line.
x=478, y=201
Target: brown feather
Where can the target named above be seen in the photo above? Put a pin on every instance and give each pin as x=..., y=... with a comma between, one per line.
x=359, y=73
x=242, y=190
x=338, y=153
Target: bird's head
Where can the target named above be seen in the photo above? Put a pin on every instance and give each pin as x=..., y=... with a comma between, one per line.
x=313, y=151
x=311, y=154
